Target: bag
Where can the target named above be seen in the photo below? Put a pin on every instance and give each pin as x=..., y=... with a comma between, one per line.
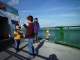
x=53, y=57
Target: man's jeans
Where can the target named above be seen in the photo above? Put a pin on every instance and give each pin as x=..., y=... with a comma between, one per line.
x=30, y=46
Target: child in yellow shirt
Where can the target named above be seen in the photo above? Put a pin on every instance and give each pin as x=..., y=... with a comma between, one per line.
x=17, y=37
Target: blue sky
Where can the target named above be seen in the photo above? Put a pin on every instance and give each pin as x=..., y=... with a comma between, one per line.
x=50, y=12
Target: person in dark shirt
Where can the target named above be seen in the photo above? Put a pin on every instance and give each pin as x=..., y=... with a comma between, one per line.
x=36, y=29
x=30, y=34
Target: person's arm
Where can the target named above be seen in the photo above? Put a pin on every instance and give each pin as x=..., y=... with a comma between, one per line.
x=15, y=34
x=38, y=27
x=25, y=25
x=21, y=35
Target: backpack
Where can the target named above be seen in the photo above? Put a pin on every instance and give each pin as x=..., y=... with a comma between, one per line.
x=52, y=57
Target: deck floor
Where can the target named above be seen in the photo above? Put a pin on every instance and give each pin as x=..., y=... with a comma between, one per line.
x=62, y=52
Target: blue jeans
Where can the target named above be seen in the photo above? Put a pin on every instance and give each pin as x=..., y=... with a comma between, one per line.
x=17, y=43
x=32, y=50
x=30, y=46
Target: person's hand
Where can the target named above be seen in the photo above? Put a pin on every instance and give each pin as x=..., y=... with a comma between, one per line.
x=25, y=25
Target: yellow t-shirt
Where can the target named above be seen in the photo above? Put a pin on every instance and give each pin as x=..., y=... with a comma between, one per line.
x=17, y=36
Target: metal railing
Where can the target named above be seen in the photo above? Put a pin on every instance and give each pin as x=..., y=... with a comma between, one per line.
x=68, y=35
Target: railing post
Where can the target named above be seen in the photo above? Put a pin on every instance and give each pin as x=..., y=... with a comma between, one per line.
x=61, y=33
